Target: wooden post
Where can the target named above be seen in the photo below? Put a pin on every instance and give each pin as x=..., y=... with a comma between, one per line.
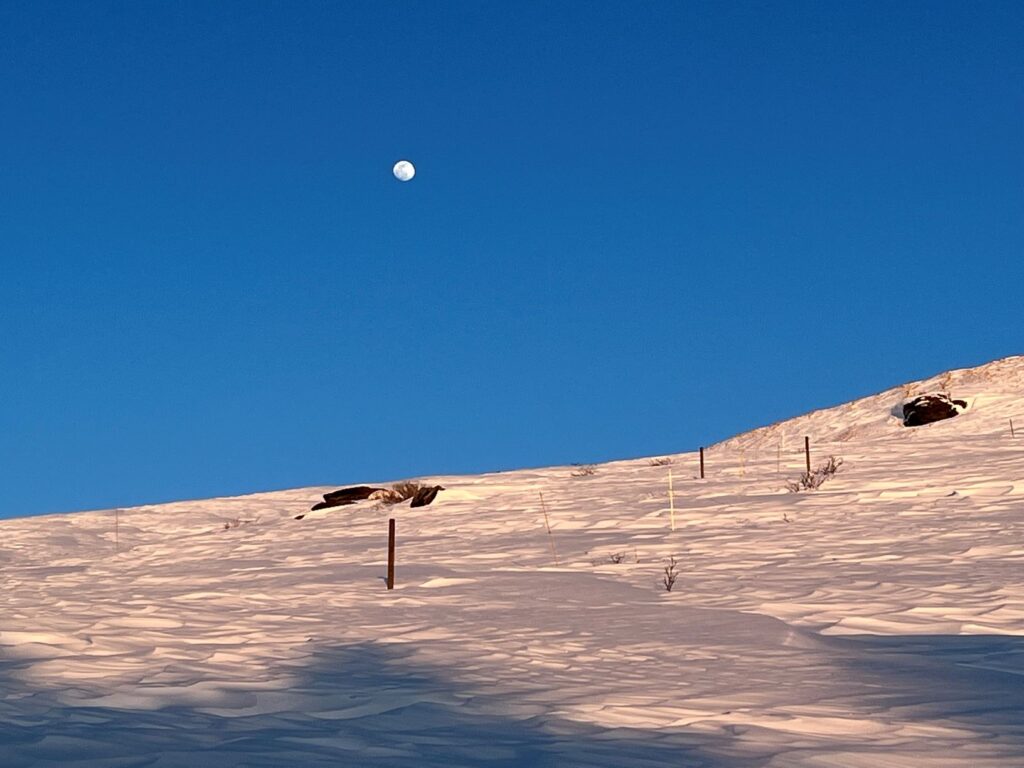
x=807, y=452
x=391, y=553
x=702, y=463
x=671, y=502
x=547, y=524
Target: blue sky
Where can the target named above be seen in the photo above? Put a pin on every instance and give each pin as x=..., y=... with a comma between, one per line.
x=635, y=228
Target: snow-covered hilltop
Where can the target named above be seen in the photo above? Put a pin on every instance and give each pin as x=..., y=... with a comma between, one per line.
x=997, y=388
x=877, y=621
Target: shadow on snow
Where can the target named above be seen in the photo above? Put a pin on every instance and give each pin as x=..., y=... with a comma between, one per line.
x=371, y=705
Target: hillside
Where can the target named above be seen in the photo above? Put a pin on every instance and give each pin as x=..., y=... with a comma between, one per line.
x=877, y=621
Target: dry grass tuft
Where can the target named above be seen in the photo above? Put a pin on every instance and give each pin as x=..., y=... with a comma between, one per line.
x=811, y=481
x=403, y=491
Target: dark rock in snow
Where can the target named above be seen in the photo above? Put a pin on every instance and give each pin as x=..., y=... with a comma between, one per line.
x=425, y=495
x=345, y=496
x=350, y=495
x=928, y=408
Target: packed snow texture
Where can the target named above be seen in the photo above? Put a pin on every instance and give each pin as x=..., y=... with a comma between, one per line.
x=876, y=622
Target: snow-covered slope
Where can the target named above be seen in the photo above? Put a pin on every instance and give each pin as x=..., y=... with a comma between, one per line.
x=878, y=621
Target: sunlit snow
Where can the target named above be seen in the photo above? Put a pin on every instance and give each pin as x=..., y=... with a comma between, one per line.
x=876, y=621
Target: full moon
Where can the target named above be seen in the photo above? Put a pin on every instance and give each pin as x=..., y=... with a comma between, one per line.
x=404, y=170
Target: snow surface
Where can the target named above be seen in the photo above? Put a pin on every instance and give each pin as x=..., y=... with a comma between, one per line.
x=877, y=622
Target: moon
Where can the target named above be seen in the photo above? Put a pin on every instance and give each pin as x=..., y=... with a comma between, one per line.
x=404, y=170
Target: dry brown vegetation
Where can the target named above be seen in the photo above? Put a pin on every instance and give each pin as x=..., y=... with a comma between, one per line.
x=811, y=481
x=403, y=491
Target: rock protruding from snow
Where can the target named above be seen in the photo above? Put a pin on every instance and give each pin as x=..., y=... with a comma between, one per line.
x=425, y=495
x=345, y=496
x=929, y=408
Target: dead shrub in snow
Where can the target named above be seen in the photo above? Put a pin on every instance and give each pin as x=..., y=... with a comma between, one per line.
x=671, y=574
x=386, y=496
x=664, y=461
x=811, y=481
x=617, y=557
x=583, y=470
x=401, y=492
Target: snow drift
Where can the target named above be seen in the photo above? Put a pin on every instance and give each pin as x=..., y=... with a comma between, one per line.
x=875, y=621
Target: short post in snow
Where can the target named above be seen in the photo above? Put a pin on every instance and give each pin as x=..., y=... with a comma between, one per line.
x=391, y=553
x=702, y=462
x=1012, y=435
x=807, y=453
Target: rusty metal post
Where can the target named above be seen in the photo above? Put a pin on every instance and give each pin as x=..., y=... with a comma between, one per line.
x=702, y=463
x=807, y=452
x=391, y=553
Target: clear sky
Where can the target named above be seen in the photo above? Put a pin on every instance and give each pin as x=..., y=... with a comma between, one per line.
x=635, y=228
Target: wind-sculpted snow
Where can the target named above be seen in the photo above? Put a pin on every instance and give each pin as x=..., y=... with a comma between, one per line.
x=877, y=621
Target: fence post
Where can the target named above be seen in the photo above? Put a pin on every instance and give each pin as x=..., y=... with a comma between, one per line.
x=391, y=553
x=702, y=463
x=807, y=452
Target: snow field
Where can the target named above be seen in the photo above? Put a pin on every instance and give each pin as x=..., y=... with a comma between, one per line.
x=874, y=622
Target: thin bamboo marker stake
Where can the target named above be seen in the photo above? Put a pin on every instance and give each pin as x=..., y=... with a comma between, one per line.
x=1011, y=430
x=778, y=460
x=671, y=502
x=547, y=524
x=117, y=545
x=743, y=462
